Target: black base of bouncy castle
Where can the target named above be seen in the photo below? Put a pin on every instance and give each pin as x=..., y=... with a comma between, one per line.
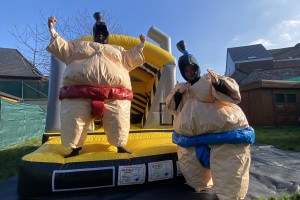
x=46, y=172
x=85, y=177
x=37, y=180
x=175, y=190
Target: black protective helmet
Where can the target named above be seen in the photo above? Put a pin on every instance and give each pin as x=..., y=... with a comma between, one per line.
x=186, y=59
x=100, y=28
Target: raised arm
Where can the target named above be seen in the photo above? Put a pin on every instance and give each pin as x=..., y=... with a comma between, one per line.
x=142, y=39
x=51, y=22
x=134, y=57
x=58, y=46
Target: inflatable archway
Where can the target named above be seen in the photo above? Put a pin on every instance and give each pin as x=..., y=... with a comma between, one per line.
x=153, y=159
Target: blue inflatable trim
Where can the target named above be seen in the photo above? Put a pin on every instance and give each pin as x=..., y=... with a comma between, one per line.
x=201, y=142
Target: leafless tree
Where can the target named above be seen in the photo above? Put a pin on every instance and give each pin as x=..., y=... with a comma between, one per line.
x=33, y=40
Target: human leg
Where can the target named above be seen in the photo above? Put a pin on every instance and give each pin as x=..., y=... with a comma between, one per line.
x=194, y=173
x=229, y=164
x=75, y=120
x=116, y=123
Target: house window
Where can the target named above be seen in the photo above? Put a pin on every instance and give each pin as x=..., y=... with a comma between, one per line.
x=286, y=108
x=291, y=98
x=279, y=98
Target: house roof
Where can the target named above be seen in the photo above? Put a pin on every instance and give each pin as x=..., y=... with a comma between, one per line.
x=286, y=53
x=14, y=64
x=249, y=53
x=280, y=84
x=9, y=97
x=272, y=74
x=285, y=63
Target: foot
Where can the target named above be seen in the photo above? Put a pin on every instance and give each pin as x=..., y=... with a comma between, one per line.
x=207, y=190
x=75, y=152
x=123, y=150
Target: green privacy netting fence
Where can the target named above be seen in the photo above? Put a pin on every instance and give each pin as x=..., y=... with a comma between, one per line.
x=25, y=89
x=20, y=121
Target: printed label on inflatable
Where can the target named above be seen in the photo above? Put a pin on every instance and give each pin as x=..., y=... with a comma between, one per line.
x=133, y=174
x=160, y=170
x=179, y=173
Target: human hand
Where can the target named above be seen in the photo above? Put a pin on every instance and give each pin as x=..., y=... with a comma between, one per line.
x=51, y=22
x=184, y=88
x=142, y=38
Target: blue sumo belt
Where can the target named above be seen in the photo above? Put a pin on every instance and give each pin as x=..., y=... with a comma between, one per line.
x=201, y=142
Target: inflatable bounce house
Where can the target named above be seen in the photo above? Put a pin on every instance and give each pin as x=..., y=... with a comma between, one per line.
x=153, y=160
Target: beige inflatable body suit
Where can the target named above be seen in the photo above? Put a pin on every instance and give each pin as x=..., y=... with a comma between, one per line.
x=207, y=105
x=96, y=65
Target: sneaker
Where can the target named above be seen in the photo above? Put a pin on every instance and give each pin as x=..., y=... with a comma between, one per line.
x=206, y=191
x=123, y=150
x=75, y=152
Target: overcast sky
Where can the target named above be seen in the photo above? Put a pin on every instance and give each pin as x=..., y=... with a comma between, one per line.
x=208, y=27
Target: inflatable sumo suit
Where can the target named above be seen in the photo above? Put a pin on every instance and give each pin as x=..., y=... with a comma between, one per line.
x=212, y=134
x=96, y=83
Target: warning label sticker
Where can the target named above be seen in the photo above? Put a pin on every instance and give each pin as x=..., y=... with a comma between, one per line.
x=160, y=170
x=132, y=174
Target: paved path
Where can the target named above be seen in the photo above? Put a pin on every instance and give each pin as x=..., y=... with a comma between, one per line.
x=272, y=172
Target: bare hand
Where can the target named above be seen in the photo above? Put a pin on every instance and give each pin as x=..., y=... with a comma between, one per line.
x=142, y=38
x=51, y=22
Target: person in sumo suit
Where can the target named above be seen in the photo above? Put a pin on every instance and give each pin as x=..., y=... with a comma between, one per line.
x=212, y=134
x=96, y=84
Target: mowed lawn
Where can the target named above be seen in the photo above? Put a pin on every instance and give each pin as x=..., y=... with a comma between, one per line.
x=287, y=138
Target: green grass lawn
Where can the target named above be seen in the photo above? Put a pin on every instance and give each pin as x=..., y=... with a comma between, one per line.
x=286, y=138
x=10, y=157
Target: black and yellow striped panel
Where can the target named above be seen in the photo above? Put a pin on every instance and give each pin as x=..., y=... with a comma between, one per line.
x=138, y=105
x=142, y=101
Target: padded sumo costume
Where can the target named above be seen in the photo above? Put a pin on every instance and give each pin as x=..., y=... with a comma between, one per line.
x=96, y=80
x=208, y=119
